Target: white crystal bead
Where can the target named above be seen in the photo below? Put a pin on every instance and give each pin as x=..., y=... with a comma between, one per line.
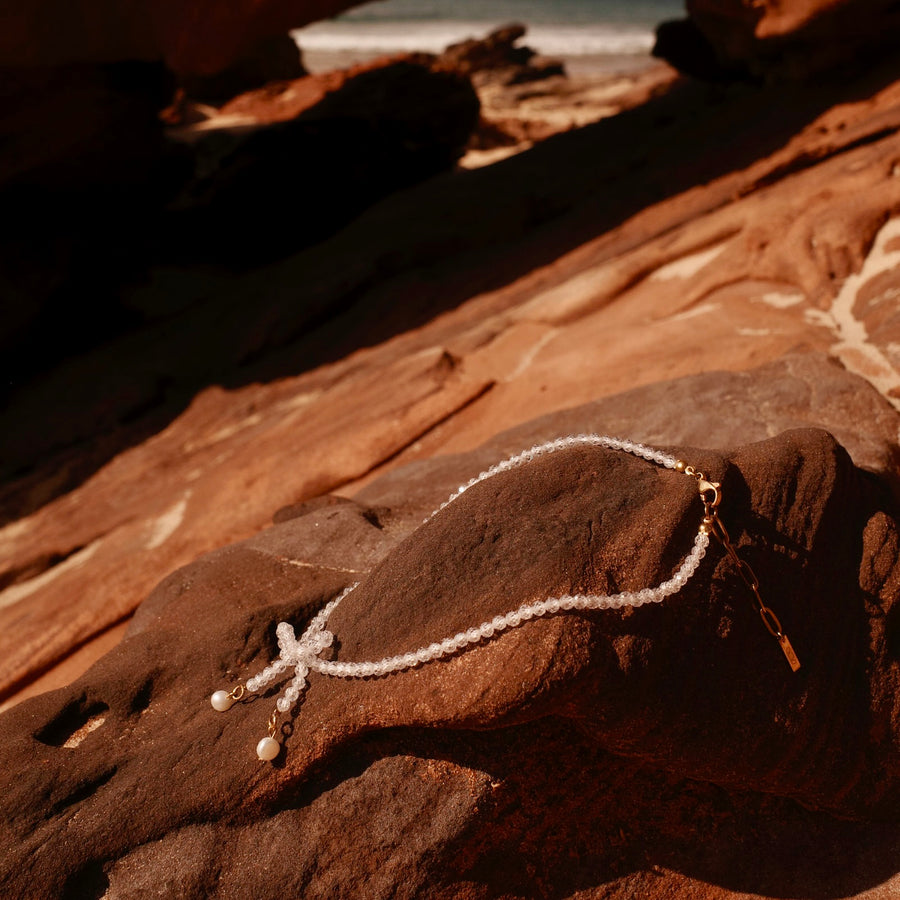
x=436, y=650
x=552, y=605
x=423, y=655
x=409, y=660
x=514, y=619
x=499, y=623
x=486, y=630
x=292, y=694
x=473, y=636
x=367, y=669
x=222, y=701
x=282, y=704
x=526, y=612
x=268, y=748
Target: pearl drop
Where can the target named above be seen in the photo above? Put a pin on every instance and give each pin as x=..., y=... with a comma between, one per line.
x=221, y=701
x=268, y=748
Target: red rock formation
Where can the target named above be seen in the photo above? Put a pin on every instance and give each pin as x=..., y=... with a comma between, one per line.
x=500, y=765
x=794, y=39
x=199, y=38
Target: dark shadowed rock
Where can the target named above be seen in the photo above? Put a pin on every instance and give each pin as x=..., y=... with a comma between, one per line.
x=614, y=739
x=275, y=58
x=202, y=37
x=780, y=39
x=332, y=145
x=497, y=58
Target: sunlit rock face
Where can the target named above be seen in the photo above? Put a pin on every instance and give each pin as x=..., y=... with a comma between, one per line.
x=795, y=39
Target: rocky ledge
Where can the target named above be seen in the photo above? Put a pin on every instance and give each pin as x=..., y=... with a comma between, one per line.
x=713, y=270
x=659, y=747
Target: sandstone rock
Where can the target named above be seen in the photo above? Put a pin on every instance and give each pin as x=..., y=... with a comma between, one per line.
x=798, y=39
x=276, y=58
x=495, y=58
x=661, y=723
x=201, y=38
x=493, y=319
x=339, y=143
x=334, y=144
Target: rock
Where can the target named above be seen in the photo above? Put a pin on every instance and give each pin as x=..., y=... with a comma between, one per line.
x=779, y=40
x=658, y=722
x=571, y=283
x=496, y=59
x=197, y=39
x=83, y=157
x=334, y=144
x=275, y=58
x=683, y=45
x=364, y=133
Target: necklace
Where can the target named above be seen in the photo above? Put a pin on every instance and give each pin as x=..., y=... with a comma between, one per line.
x=302, y=655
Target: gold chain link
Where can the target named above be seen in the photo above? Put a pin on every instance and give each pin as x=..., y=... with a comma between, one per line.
x=711, y=495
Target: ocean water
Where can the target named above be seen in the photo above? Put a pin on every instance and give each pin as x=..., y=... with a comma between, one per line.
x=595, y=30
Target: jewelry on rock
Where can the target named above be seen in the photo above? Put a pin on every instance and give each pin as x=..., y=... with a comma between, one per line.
x=302, y=656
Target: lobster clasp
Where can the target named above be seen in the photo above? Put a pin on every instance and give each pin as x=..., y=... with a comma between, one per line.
x=709, y=492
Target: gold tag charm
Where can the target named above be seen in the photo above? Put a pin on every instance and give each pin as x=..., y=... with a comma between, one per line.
x=788, y=652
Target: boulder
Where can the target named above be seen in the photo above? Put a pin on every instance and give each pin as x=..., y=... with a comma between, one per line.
x=327, y=145
x=196, y=39
x=497, y=59
x=580, y=754
x=780, y=39
x=275, y=59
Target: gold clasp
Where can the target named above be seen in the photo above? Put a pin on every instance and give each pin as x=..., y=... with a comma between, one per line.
x=711, y=496
x=707, y=488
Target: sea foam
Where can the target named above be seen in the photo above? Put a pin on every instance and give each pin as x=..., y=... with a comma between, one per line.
x=434, y=36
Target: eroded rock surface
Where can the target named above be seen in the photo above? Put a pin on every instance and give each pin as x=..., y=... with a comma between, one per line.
x=586, y=752
x=200, y=38
x=793, y=39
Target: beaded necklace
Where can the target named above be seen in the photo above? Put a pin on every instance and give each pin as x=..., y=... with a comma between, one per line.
x=303, y=655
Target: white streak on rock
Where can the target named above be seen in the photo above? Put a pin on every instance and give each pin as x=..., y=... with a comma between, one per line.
x=688, y=266
x=852, y=345
x=779, y=300
x=164, y=526
x=16, y=592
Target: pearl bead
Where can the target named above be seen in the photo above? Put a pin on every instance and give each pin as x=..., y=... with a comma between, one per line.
x=268, y=748
x=221, y=701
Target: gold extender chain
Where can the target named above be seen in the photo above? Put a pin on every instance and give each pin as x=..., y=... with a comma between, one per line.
x=711, y=495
